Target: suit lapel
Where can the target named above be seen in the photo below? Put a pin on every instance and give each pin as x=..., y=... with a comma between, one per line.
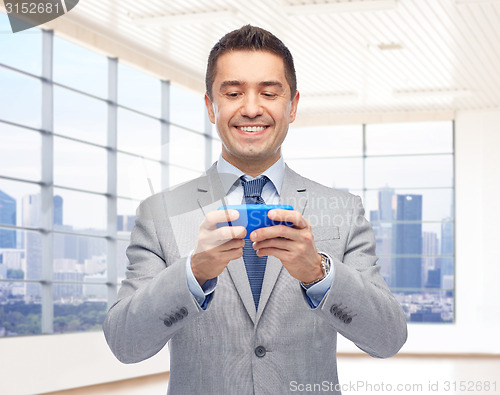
x=211, y=196
x=210, y=191
x=293, y=192
x=239, y=276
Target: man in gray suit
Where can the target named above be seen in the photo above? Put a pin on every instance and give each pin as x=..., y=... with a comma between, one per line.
x=258, y=315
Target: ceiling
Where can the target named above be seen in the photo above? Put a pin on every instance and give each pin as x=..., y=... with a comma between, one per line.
x=351, y=56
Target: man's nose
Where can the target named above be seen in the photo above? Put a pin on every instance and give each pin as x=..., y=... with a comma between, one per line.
x=251, y=106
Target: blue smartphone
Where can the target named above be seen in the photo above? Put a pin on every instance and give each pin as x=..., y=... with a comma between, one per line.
x=254, y=216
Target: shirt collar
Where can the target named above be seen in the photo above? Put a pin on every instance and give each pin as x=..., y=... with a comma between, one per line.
x=229, y=174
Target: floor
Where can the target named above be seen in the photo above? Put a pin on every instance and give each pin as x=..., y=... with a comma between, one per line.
x=362, y=375
x=420, y=375
x=148, y=385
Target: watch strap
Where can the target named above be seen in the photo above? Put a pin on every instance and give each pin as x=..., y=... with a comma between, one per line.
x=325, y=266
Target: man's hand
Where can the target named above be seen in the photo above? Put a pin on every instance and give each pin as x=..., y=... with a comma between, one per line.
x=294, y=247
x=215, y=247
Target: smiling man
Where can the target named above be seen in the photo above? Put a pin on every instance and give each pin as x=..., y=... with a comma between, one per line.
x=251, y=103
x=258, y=313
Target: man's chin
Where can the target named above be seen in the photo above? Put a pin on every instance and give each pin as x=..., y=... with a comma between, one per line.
x=254, y=154
x=257, y=157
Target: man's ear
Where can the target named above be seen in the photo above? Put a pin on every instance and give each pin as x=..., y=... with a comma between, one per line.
x=293, y=107
x=210, y=108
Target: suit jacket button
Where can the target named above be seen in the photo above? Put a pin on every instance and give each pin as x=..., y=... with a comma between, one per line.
x=183, y=311
x=260, y=351
x=178, y=316
x=173, y=319
x=348, y=320
x=167, y=322
x=333, y=309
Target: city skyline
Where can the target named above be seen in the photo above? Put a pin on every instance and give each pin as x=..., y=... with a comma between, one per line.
x=422, y=282
x=415, y=261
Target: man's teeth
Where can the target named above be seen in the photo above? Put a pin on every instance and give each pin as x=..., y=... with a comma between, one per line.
x=251, y=128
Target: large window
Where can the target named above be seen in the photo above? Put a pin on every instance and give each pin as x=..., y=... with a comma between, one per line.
x=84, y=139
x=405, y=175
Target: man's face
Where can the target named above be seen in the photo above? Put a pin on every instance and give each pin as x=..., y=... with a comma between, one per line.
x=251, y=107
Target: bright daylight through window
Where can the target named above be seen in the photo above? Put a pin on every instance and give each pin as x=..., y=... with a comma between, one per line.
x=73, y=169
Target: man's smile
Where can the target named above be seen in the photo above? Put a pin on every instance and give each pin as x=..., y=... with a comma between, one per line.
x=252, y=128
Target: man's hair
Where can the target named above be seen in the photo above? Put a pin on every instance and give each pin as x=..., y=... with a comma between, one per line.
x=250, y=38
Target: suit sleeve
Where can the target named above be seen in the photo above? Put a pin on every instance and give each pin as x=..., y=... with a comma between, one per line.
x=154, y=301
x=359, y=304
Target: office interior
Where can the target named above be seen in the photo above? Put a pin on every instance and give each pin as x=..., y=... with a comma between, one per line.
x=103, y=106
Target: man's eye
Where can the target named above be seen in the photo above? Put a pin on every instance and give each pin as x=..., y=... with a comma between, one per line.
x=232, y=94
x=269, y=95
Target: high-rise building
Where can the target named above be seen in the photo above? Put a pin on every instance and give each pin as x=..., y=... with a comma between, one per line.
x=385, y=204
x=407, y=240
x=430, y=250
x=433, y=279
x=69, y=285
x=447, y=250
x=32, y=210
x=58, y=210
x=125, y=223
x=31, y=217
x=381, y=220
x=8, y=213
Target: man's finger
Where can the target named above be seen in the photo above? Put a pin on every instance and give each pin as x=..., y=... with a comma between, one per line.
x=219, y=216
x=275, y=231
x=233, y=244
x=222, y=239
x=225, y=233
x=292, y=216
x=277, y=243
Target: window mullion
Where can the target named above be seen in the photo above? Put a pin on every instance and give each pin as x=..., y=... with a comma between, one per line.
x=165, y=134
x=208, y=141
x=112, y=188
x=364, y=163
x=47, y=189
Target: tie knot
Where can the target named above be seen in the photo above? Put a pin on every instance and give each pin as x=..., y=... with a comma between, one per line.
x=253, y=188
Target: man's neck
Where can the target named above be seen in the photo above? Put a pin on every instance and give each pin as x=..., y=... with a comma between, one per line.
x=253, y=169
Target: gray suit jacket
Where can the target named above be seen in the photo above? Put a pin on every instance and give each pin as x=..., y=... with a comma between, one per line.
x=230, y=348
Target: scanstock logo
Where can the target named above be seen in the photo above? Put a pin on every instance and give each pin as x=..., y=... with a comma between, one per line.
x=25, y=14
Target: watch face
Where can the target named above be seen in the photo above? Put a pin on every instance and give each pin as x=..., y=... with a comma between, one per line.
x=325, y=262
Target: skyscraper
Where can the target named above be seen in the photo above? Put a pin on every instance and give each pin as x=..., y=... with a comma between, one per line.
x=32, y=208
x=381, y=220
x=125, y=223
x=31, y=217
x=385, y=206
x=58, y=210
x=447, y=249
x=430, y=247
x=407, y=240
x=431, y=273
x=8, y=213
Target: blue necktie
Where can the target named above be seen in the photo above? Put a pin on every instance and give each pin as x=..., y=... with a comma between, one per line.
x=255, y=265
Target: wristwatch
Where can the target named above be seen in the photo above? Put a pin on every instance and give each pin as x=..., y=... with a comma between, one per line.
x=325, y=266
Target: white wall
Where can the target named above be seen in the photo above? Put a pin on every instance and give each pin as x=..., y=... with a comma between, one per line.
x=38, y=364
x=31, y=365
x=477, y=265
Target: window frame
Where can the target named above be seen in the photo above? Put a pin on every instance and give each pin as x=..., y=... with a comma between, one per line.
x=112, y=236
